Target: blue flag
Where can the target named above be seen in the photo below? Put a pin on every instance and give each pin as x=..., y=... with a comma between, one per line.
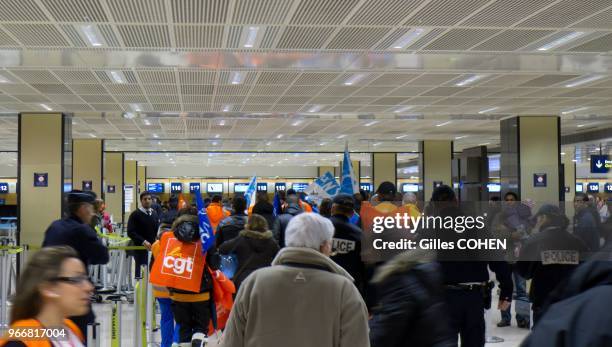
x=206, y=232
x=249, y=195
x=277, y=204
x=348, y=183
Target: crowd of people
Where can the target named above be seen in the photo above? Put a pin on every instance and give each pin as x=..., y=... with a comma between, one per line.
x=303, y=278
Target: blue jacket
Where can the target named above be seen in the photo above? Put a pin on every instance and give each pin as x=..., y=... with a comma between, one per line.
x=73, y=232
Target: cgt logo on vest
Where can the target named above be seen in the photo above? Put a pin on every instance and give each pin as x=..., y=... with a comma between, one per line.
x=175, y=263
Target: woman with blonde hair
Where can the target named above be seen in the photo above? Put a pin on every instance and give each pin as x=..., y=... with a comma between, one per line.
x=53, y=287
x=254, y=248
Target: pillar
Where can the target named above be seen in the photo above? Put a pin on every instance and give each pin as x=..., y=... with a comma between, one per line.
x=569, y=167
x=88, y=165
x=531, y=158
x=113, y=178
x=130, y=187
x=42, y=139
x=142, y=181
x=384, y=168
x=435, y=165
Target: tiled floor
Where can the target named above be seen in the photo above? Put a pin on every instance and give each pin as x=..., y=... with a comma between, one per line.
x=512, y=335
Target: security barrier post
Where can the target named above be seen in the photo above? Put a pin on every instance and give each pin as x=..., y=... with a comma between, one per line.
x=116, y=323
x=3, y=288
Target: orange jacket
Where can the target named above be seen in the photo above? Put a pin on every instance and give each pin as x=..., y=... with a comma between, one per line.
x=33, y=323
x=158, y=291
x=216, y=214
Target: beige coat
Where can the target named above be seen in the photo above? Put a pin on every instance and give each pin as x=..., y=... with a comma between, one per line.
x=294, y=306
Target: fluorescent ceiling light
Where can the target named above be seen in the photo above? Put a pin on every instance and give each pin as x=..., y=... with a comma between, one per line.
x=46, y=107
x=3, y=79
x=92, y=135
x=159, y=143
x=488, y=110
x=251, y=37
x=460, y=137
x=146, y=122
x=322, y=143
x=296, y=123
x=584, y=80
x=353, y=79
x=443, y=124
x=227, y=108
x=583, y=125
x=92, y=35
x=469, y=80
x=561, y=41
x=279, y=136
x=370, y=123
x=574, y=110
x=217, y=136
x=118, y=76
x=315, y=108
x=377, y=144
x=268, y=143
x=562, y=153
x=484, y=144
x=403, y=109
x=222, y=122
x=129, y=115
x=341, y=136
x=136, y=107
x=155, y=136
x=408, y=38
x=401, y=136
x=236, y=77
x=214, y=143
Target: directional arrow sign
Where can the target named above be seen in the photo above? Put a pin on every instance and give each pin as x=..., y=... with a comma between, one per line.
x=600, y=164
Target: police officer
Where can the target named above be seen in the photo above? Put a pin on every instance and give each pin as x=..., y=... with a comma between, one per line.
x=346, y=244
x=465, y=274
x=549, y=256
x=75, y=231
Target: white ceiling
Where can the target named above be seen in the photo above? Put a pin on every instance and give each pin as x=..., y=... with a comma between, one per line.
x=334, y=60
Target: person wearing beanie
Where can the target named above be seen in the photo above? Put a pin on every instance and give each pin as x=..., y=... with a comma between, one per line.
x=254, y=248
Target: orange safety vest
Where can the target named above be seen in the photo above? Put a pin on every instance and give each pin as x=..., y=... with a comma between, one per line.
x=33, y=323
x=180, y=264
x=216, y=214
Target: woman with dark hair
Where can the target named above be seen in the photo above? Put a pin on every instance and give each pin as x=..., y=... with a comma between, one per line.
x=53, y=286
x=264, y=208
x=325, y=207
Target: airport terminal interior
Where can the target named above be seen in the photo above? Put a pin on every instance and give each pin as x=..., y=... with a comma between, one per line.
x=237, y=98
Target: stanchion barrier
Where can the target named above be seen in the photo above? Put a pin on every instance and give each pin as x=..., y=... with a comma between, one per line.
x=136, y=328
x=93, y=334
x=8, y=279
x=116, y=323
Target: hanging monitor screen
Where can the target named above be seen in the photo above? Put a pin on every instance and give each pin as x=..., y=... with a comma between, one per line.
x=262, y=187
x=579, y=188
x=299, y=187
x=214, y=187
x=410, y=187
x=593, y=187
x=280, y=187
x=4, y=188
x=67, y=187
x=240, y=187
x=155, y=187
x=494, y=187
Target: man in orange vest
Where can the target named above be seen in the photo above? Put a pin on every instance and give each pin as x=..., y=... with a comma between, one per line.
x=215, y=212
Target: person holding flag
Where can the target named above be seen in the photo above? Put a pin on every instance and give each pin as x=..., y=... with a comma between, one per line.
x=249, y=195
x=186, y=266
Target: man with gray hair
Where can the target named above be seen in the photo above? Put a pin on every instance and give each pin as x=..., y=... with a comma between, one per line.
x=304, y=299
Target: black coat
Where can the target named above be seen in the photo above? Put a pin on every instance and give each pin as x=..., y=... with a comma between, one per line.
x=229, y=228
x=73, y=232
x=561, y=253
x=253, y=251
x=346, y=246
x=411, y=310
x=580, y=314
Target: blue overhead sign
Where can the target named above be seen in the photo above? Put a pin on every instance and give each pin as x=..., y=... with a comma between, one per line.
x=262, y=187
x=608, y=187
x=280, y=187
x=600, y=163
x=593, y=187
x=176, y=187
x=365, y=186
x=4, y=188
x=194, y=187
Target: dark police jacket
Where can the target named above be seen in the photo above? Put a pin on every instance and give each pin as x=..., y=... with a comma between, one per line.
x=549, y=257
x=73, y=232
x=346, y=246
x=580, y=314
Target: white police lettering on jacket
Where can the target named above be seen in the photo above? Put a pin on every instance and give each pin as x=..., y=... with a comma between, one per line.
x=560, y=257
x=342, y=246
